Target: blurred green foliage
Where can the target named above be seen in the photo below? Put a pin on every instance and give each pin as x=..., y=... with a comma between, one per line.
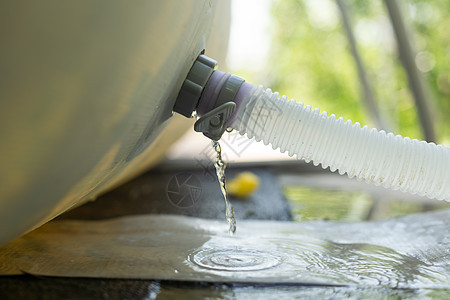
x=313, y=204
x=311, y=62
x=309, y=204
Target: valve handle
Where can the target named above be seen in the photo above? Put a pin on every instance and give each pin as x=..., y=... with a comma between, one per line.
x=214, y=123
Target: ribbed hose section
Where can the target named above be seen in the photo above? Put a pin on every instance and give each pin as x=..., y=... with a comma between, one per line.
x=375, y=156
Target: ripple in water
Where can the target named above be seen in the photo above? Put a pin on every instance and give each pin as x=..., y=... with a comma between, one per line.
x=234, y=259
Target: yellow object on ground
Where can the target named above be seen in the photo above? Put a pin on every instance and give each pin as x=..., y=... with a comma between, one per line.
x=243, y=185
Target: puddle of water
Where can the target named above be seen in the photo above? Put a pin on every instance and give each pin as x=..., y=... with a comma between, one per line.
x=304, y=259
x=412, y=252
x=390, y=253
x=187, y=290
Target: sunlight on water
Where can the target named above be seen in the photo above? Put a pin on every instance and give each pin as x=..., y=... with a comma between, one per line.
x=309, y=260
x=373, y=256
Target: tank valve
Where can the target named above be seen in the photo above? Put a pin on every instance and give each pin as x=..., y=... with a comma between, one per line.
x=214, y=123
x=217, y=104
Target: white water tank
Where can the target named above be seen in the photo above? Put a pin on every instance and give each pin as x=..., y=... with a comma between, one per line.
x=86, y=88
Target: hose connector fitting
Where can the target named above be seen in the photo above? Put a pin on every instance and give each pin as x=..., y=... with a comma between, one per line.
x=193, y=85
x=211, y=93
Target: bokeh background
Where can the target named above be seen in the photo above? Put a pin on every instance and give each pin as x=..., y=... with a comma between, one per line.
x=302, y=50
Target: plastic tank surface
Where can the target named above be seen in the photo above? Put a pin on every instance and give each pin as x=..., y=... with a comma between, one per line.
x=86, y=88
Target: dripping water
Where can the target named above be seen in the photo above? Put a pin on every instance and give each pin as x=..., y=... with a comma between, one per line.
x=220, y=171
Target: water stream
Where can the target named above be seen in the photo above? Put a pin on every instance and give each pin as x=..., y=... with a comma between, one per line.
x=220, y=171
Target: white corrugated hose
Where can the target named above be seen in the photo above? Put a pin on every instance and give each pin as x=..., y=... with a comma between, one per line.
x=374, y=156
